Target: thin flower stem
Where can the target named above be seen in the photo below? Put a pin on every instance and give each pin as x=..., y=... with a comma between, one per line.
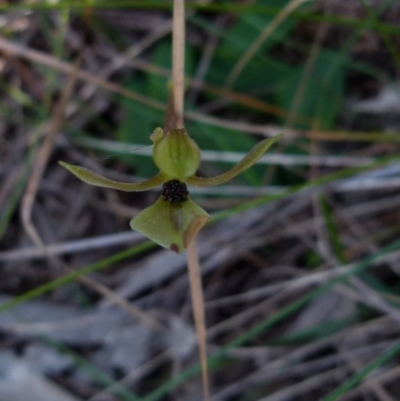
x=198, y=311
x=178, y=59
x=178, y=76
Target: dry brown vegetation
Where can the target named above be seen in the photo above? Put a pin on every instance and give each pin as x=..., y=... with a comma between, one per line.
x=300, y=262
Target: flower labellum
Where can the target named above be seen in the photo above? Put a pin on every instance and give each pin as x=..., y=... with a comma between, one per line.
x=174, y=220
x=171, y=225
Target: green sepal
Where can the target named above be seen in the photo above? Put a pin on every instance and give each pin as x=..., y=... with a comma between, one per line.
x=94, y=179
x=171, y=225
x=251, y=158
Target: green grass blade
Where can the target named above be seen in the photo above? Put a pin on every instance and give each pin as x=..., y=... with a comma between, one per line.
x=259, y=329
x=333, y=230
x=101, y=378
x=68, y=278
x=353, y=381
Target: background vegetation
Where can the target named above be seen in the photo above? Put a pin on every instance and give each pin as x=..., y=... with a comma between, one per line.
x=301, y=259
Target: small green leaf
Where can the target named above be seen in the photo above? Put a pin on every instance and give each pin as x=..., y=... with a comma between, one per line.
x=251, y=158
x=171, y=225
x=94, y=179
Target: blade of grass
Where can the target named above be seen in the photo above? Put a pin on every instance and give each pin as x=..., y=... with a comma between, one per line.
x=70, y=277
x=67, y=68
x=333, y=231
x=353, y=381
x=373, y=15
x=16, y=193
x=260, y=328
x=109, y=146
x=43, y=111
x=270, y=28
x=74, y=246
x=266, y=130
x=97, y=374
x=310, y=185
x=42, y=157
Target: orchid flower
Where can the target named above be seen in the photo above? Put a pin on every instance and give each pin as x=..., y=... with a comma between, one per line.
x=174, y=220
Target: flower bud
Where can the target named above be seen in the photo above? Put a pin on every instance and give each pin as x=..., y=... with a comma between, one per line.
x=175, y=154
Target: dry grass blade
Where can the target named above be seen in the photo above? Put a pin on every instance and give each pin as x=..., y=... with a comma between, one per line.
x=59, y=65
x=28, y=200
x=71, y=247
x=121, y=302
x=266, y=130
x=42, y=158
x=300, y=290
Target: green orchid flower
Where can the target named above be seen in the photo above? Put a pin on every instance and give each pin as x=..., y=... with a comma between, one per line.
x=174, y=220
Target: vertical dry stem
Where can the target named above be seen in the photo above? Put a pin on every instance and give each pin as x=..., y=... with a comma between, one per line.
x=42, y=157
x=198, y=310
x=178, y=59
x=178, y=76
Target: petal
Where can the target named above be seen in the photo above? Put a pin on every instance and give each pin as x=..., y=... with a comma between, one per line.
x=251, y=158
x=171, y=225
x=94, y=179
